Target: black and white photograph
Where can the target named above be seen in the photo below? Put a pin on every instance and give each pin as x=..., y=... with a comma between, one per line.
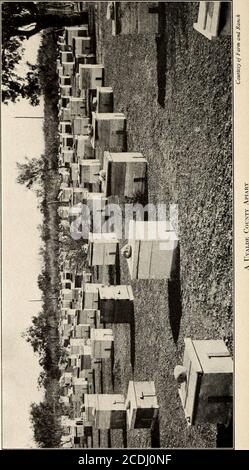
x=117, y=224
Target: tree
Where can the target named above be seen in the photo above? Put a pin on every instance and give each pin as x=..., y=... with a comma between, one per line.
x=46, y=424
x=37, y=334
x=31, y=172
x=20, y=21
x=24, y=19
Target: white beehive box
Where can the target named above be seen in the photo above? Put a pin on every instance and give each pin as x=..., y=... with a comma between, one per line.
x=102, y=341
x=208, y=19
x=125, y=174
x=102, y=249
x=82, y=45
x=88, y=316
x=63, y=103
x=141, y=404
x=75, y=31
x=65, y=127
x=91, y=296
x=64, y=114
x=84, y=59
x=105, y=100
x=77, y=107
x=109, y=131
x=116, y=304
x=67, y=156
x=75, y=171
x=83, y=147
x=81, y=331
x=68, y=68
x=207, y=395
x=89, y=171
x=64, y=80
x=65, y=90
x=106, y=411
x=66, y=56
x=91, y=76
x=153, y=246
x=67, y=140
x=80, y=125
x=65, y=195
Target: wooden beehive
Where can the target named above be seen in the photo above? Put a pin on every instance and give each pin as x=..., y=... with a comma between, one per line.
x=66, y=56
x=77, y=346
x=125, y=174
x=91, y=76
x=208, y=19
x=64, y=102
x=60, y=71
x=102, y=341
x=153, y=248
x=67, y=156
x=83, y=147
x=89, y=171
x=77, y=298
x=80, y=387
x=84, y=59
x=116, y=304
x=81, y=331
x=65, y=90
x=65, y=80
x=88, y=316
x=64, y=47
x=64, y=114
x=75, y=31
x=106, y=411
x=91, y=296
x=109, y=131
x=207, y=395
x=105, y=101
x=65, y=127
x=74, y=173
x=141, y=404
x=77, y=107
x=102, y=249
x=68, y=68
x=82, y=45
x=87, y=374
x=67, y=140
x=80, y=125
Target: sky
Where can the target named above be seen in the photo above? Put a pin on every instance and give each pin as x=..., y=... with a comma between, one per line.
x=21, y=265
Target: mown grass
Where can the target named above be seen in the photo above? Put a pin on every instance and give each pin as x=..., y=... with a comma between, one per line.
x=176, y=92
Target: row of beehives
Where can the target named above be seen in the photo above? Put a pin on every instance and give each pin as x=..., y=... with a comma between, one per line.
x=87, y=343
x=84, y=312
x=86, y=180
x=144, y=18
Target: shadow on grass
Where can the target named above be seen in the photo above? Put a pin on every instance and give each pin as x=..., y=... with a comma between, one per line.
x=125, y=444
x=224, y=437
x=132, y=340
x=112, y=368
x=174, y=296
x=225, y=18
x=171, y=29
x=155, y=434
x=117, y=268
x=109, y=440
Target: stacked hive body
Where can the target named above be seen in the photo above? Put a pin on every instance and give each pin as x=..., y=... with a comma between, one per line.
x=207, y=394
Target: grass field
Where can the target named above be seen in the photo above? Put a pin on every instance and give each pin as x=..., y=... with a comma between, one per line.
x=176, y=92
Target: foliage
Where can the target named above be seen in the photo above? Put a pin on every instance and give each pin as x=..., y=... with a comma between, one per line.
x=20, y=21
x=46, y=425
